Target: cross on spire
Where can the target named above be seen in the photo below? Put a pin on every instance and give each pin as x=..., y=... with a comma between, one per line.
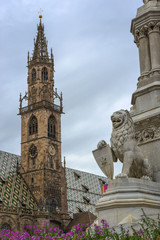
x=40, y=13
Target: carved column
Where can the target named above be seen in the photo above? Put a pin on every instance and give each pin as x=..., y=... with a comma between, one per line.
x=154, y=41
x=144, y=52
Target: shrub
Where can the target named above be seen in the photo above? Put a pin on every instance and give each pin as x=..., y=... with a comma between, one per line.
x=148, y=229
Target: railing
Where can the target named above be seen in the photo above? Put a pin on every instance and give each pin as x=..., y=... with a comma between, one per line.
x=27, y=211
x=37, y=105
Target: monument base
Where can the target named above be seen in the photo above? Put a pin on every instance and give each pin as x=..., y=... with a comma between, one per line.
x=125, y=198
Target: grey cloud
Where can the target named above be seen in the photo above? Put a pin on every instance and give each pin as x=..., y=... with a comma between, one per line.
x=96, y=65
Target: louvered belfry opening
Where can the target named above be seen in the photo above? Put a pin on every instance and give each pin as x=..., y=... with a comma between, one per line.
x=33, y=125
x=51, y=127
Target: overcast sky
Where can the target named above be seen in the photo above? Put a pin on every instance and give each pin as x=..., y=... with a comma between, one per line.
x=96, y=63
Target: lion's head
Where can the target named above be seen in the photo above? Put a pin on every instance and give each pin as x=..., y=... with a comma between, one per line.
x=119, y=118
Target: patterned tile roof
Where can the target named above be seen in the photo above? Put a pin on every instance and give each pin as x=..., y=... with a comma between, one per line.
x=13, y=189
x=83, y=189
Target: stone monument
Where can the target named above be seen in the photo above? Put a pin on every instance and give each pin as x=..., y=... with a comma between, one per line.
x=135, y=138
x=145, y=111
x=123, y=147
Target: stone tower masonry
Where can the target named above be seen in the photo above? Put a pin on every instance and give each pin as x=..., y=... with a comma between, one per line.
x=41, y=164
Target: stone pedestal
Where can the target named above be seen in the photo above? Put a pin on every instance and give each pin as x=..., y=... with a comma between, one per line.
x=124, y=199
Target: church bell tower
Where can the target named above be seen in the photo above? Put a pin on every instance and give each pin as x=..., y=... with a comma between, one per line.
x=41, y=164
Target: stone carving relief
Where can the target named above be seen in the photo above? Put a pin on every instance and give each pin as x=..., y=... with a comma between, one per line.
x=144, y=30
x=146, y=1
x=147, y=134
x=124, y=147
x=146, y=77
x=104, y=158
x=101, y=144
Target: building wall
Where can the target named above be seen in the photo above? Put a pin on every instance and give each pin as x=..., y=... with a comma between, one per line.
x=76, y=182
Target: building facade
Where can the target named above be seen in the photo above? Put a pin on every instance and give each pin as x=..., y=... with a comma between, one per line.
x=33, y=187
x=19, y=207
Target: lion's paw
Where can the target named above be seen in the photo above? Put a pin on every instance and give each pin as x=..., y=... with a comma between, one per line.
x=101, y=144
x=121, y=175
x=146, y=178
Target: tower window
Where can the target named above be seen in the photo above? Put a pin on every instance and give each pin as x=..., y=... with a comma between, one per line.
x=76, y=176
x=102, y=182
x=85, y=189
x=34, y=161
x=86, y=200
x=79, y=210
x=6, y=226
x=32, y=180
x=44, y=74
x=51, y=162
x=51, y=127
x=33, y=125
x=33, y=75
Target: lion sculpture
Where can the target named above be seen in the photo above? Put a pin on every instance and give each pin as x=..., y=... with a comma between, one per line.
x=124, y=147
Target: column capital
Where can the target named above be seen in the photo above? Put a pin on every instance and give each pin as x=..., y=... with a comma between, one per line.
x=153, y=26
x=140, y=33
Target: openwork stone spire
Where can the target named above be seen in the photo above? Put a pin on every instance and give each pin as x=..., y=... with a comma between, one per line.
x=40, y=46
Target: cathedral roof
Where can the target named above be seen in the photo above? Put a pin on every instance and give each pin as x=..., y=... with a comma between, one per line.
x=83, y=189
x=13, y=188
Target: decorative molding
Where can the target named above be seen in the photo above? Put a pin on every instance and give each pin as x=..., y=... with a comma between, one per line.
x=146, y=76
x=147, y=134
x=144, y=31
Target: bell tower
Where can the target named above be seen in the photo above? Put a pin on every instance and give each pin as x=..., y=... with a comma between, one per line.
x=41, y=164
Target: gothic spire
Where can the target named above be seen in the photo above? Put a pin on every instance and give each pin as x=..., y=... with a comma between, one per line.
x=40, y=52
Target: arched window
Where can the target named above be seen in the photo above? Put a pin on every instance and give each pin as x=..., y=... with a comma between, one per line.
x=52, y=205
x=32, y=180
x=51, y=162
x=34, y=161
x=6, y=226
x=33, y=75
x=33, y=125
x=44, y=74
x=51, y=127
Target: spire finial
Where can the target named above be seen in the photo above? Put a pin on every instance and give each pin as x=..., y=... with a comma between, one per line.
x=40, y=13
